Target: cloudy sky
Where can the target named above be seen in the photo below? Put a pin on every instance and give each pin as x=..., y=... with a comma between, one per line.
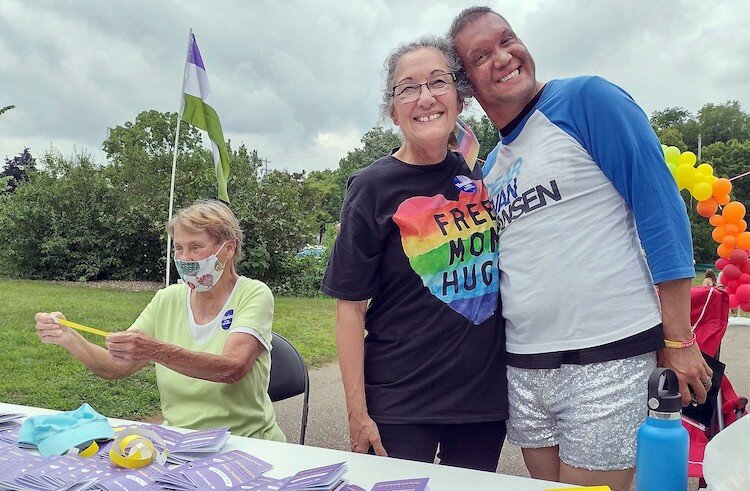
x=300, y=81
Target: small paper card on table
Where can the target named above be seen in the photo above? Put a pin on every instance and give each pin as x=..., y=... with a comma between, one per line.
x=402, y=485
x=327, y=477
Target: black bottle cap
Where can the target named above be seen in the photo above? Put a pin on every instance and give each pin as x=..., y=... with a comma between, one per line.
x=664, y=391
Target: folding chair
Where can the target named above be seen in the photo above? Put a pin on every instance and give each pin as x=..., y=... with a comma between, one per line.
x=289, y=377
x=709, y=315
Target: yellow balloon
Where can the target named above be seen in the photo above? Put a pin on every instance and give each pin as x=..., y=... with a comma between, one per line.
x=705, y=169
x=672, y=154
x=684, y=173
x=687, y=158
x=701, y=191
x=671, y=167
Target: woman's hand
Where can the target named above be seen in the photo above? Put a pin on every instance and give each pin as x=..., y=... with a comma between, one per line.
x=133, y=345
x=363, y=434
x=49, y=331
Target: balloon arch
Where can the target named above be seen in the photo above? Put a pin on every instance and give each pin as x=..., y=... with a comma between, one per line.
x=730, y=227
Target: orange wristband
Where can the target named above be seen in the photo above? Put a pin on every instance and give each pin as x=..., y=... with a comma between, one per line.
x=679, y=344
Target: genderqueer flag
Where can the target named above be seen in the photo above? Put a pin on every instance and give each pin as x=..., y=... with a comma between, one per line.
x=197, y=112
x=467, y=143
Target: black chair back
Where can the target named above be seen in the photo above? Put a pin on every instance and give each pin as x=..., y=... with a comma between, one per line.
x=289, y=377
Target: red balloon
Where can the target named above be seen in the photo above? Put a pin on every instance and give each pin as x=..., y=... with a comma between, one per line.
x=731, y=272
x=738, y=256
x=721, y=262
x=745, y=307
x=743, y=293
x=745, y=268
x=744, y=279
x=733, y=301
x=731, y=286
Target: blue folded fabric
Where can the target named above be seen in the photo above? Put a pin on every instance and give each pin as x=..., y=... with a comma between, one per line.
x=55, y=434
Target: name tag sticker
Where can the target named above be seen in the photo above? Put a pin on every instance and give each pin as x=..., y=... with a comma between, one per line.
x=465, y=184
x=226, y=321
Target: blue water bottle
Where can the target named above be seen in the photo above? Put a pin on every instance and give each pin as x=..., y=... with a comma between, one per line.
x=662, y=441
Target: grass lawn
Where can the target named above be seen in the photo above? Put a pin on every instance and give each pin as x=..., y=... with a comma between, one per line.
x=37, y=374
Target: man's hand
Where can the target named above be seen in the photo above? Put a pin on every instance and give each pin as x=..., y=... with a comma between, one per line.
x=363, y=433
x=691, y=369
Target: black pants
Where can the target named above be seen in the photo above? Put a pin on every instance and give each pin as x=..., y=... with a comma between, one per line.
x=470, y=445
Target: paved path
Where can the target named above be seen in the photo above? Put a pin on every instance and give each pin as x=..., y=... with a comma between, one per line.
x=327, y=414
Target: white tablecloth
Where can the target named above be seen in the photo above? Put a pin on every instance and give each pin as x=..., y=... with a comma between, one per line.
x=363, y=470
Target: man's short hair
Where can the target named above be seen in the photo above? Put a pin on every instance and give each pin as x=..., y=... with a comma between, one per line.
x=466, y=17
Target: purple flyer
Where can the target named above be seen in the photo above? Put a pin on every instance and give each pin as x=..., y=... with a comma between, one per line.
x=402, y=485
x=317, y=477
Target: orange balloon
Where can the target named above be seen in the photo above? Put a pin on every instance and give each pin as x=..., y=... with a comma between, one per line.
x=724, y=250
x=719, y=233
x=716, y=220
x=707, y=208
x=742, y=226
x=733, y=212
x=743, y=241
x=723, y=199
x=731, y=228
x=722, y=187
x=729, y=240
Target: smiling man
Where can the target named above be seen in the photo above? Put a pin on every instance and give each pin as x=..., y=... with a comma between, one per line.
x=580, y=190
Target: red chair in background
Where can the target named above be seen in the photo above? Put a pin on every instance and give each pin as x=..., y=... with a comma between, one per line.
x=709, y=316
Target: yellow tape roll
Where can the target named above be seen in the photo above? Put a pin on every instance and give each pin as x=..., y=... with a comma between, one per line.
x=134, y=448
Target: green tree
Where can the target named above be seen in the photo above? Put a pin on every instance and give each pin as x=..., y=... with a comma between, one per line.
x=319, y=195
x=59, y=225
x=671, y=137
x=375, y=144
x=16, y=171
x=486, y=133
x=723, y=122
x=731, y=159
x=676, y=126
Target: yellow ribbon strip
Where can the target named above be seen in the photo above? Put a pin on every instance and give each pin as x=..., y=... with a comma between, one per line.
x=86, y=452
x=81, y=327
x=133, y=449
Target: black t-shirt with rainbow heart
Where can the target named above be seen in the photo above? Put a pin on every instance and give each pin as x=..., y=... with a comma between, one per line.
x=421, y=242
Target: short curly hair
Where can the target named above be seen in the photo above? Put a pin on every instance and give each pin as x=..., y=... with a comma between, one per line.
x=438, y=43
x=213, y=217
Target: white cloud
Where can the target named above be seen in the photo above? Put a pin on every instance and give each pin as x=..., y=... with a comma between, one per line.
x=300, y=80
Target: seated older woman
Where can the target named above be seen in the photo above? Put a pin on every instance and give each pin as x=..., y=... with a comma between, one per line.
x=418, y=238
x=209, y=336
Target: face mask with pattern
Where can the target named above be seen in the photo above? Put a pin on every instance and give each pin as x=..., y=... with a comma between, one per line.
x=201, y=275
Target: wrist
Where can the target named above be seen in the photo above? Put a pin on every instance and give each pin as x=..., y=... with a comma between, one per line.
x=358, y=415
x=680, y=342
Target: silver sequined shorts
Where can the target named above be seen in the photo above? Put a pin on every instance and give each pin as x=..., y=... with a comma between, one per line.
x=591, y=411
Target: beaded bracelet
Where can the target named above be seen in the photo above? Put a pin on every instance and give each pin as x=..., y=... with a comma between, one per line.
x=679, y=344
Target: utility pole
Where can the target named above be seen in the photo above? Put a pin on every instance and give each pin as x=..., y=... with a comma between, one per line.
x=699, y=149
x=265, y=166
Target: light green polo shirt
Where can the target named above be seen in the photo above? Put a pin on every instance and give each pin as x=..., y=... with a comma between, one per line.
x=194, y=403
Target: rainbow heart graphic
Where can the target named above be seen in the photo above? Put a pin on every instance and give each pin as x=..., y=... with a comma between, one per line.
x=452, y=246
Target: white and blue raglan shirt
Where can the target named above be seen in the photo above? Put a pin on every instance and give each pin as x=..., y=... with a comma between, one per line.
x=575, y=184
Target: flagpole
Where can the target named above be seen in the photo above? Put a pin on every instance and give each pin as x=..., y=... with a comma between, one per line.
x=174, y=156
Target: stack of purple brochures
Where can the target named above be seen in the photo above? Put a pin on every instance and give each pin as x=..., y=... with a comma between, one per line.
x=326, y=478
x=9, y=419
x=183, y=447
x=218, y=472
x=9, y=434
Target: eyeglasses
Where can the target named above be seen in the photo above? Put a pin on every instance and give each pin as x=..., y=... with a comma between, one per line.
x=437, y=85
